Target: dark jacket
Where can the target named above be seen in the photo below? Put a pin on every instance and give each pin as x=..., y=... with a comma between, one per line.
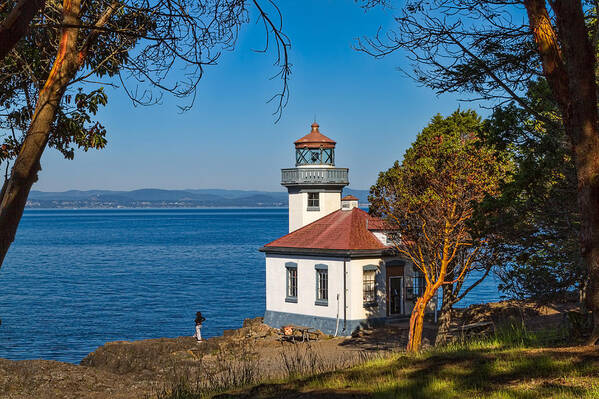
x=199, y=319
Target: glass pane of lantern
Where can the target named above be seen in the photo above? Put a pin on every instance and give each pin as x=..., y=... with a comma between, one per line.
x=315, y=157
x=301, y=154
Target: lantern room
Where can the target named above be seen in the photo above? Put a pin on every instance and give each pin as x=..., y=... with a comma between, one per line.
x=315, y=149
x=315, y=184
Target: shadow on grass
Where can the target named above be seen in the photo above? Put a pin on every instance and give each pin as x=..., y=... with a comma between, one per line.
x=270, y=391
x=510, y=374
x=498, y=373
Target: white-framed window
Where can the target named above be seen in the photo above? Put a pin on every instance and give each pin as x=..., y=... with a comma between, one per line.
x=313, y=201
x=322, y=285
x=291, y=282
x=369, y=286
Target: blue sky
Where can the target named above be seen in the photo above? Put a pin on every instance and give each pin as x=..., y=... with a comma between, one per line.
x=230, y=140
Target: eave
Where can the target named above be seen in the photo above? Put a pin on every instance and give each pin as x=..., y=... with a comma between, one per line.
x=333, y=253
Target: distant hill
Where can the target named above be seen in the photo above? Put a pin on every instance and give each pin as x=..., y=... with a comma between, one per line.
x=158, y=198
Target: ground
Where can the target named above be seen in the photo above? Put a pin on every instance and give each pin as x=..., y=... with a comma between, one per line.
x=480, y=372
x=253, y=355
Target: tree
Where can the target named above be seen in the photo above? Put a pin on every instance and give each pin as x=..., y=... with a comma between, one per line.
x=488, y=48
x=534, y=221
x=51, y=84
x=457, y=288
x=16, y=23
x=429, y=199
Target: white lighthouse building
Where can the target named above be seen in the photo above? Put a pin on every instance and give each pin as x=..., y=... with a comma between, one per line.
x=335, y=270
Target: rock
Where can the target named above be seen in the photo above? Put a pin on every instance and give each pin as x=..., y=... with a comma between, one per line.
x=230, y=333
x=257, y=321
x=123, y=357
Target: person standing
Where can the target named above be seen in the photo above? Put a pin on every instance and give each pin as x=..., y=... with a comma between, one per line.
x=199, y=320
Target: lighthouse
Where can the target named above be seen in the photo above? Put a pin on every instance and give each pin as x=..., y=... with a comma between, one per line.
x=336, y=270
x=315, y=184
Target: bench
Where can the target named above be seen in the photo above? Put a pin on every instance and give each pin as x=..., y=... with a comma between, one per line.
x=296, y=333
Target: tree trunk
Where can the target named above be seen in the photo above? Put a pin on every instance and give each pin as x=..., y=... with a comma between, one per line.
x=570, y=71
x=27, y=163
x=588, y=198
x=583, y=131
x=417, y=320
x=416, y=326
x=445, y=315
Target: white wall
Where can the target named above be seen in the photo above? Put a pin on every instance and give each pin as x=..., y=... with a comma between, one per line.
x=382, y=237
x=356, y=310
x=276, y=287
x=297, y=202
x=299, y=215
x=306, y=290
x=347, y=205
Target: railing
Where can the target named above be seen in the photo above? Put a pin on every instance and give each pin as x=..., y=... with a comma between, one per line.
x=314, y=175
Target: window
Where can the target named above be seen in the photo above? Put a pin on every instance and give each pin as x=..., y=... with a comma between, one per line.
x=299, y=157
x=313, y=201
x=369, y=289
x=327, y=156
x=306, y=156
x=419, y=284
x=322, y=285
x=315, y=157
x=291, y=291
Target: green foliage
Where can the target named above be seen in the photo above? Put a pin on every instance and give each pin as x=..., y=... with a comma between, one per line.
x=446, y=164
x=535, y=221
x=430, y=196
x=77, y=127
x=25, y=70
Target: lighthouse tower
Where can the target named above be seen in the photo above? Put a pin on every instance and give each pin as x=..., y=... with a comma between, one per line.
x=315, y=184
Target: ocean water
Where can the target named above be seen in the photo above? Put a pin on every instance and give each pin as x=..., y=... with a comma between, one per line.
x=75, y=279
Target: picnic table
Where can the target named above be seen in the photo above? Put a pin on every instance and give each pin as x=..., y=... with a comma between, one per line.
x=295, y=333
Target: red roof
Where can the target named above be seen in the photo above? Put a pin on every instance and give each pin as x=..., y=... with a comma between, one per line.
x=349, y=198
x=315, y=139
x=345, y=230
x=379, y=224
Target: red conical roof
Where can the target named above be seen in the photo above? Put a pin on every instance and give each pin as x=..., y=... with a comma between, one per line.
x=315, y=139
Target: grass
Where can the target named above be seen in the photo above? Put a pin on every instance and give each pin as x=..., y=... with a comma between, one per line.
x=477, y=373
x=513, y=363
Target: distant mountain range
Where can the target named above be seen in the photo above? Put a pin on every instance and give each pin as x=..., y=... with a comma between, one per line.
x=157, y=198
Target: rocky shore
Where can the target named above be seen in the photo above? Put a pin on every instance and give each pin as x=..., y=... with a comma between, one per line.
x=251, y=354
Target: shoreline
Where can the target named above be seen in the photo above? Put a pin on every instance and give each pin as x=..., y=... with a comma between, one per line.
x=473, y=312
x=251, y=354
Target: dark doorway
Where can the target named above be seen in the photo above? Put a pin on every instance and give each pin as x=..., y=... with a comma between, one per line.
x=395, y=295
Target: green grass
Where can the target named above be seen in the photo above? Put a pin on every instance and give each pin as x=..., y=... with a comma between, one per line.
x=477, y=373
x=513, y=363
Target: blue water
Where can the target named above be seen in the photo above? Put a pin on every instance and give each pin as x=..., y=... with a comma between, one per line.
x=75, y=279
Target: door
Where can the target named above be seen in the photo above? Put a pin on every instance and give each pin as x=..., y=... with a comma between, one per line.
x=395, y=295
